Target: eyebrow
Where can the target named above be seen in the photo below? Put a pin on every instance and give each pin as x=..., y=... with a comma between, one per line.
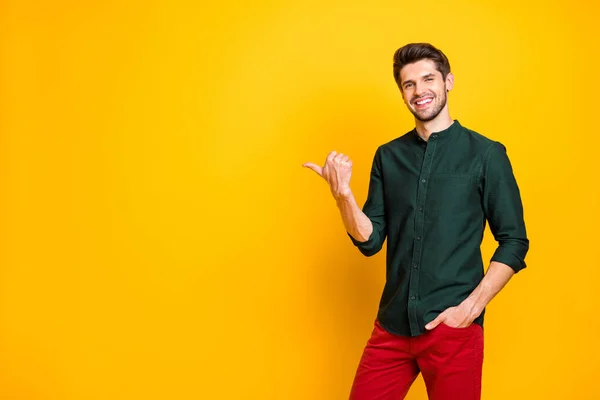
x=429, y=75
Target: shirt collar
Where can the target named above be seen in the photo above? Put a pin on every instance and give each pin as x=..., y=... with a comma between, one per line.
x=441, y=135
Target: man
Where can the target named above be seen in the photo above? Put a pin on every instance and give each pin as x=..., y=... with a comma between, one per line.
x=431, y=192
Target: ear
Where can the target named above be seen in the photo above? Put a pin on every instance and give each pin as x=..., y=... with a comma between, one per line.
x=449, y=81
x=401, y=92
x=399, y=86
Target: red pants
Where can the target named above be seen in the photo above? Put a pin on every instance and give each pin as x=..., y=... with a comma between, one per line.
x=450, y=359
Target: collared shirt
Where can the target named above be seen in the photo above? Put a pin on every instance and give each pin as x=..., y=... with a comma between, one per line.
x=431, y=200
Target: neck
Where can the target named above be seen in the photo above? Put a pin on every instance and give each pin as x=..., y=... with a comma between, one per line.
x=439, y=123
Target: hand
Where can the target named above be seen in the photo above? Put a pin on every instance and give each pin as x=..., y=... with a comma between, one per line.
x=336, y=172
x=454, y=317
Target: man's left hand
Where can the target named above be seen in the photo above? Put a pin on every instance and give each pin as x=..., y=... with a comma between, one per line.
x=454, y=317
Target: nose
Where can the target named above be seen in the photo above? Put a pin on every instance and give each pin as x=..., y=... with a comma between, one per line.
x=419, y=89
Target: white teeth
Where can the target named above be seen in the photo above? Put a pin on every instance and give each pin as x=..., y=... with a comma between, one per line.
x=423, y=102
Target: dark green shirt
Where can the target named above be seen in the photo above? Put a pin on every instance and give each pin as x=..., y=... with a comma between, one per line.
x=431, y=200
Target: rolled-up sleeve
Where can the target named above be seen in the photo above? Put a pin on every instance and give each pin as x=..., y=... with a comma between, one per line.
x=504, y=209
x=374, y=209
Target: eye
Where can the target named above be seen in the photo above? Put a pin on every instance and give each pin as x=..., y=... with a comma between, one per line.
x=408, y=85
x=428, y=79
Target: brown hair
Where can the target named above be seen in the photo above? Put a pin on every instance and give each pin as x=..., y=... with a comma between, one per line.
x=414, y=52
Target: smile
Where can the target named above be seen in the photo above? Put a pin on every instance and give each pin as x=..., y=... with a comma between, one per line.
x=424, y=101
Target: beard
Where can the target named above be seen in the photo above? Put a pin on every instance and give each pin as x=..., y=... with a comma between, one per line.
x=437, y=107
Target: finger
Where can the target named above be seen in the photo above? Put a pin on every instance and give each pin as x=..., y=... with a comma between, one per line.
x=339, y=158
x=331, y=156
x=314, y=167
x=345, y=159
x=440, y=318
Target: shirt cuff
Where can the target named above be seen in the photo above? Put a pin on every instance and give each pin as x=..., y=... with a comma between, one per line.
x=365, y=247
x=507, y=257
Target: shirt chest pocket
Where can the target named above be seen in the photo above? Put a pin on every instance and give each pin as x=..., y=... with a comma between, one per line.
x=453, y=193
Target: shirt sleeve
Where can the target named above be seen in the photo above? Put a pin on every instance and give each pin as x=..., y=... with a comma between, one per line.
x=503, y=209
x=374, y=209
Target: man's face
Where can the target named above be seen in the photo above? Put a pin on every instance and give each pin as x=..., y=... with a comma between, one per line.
x=424, y=90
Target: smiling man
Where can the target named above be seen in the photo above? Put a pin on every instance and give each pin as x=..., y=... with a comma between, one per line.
x=431, y=193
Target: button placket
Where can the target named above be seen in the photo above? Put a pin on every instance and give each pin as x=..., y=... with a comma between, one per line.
x=413, y=287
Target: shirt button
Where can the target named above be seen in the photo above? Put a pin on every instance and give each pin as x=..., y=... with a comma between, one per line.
x=421, y=209
x=423, y=180
x=418, y=237
x=412, y=297
x=415, y=266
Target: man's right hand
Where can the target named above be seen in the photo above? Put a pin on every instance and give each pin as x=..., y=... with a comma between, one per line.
x=336, y=172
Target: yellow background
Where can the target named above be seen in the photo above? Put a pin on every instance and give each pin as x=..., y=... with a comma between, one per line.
x=159, y=238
